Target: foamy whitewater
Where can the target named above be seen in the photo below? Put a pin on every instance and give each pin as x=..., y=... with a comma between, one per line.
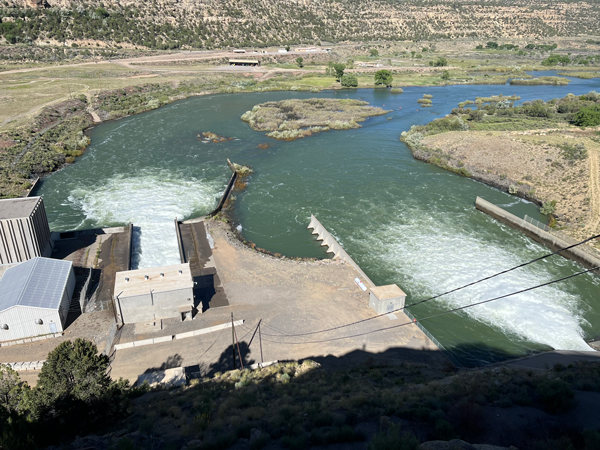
x=151, y=200
x=439, y=257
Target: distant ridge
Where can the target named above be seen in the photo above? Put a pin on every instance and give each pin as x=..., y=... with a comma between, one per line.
x=260, y=23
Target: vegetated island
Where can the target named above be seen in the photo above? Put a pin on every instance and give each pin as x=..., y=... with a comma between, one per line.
x=542, y=151
x=295, y=119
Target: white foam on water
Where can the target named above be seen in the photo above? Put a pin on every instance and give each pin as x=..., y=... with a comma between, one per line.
x=151, y=200
x=436, y=257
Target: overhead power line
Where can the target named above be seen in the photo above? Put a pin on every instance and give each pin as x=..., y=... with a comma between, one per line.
x=434, y=297
x=438, y=314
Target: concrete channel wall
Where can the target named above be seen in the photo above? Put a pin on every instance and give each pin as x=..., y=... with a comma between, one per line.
x=537, y=234
x=179, y=242
x=334, y=246
x=221, y=203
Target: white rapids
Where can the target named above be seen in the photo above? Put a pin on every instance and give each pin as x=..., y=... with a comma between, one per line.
x=151, y=200
x=438, y=257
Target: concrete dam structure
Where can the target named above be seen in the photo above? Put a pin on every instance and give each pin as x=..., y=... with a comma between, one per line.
x=553, y=242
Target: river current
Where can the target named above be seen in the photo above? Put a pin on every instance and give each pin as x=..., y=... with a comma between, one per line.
x=402, y=220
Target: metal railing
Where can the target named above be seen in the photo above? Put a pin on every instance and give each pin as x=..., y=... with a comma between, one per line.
x=568, y=239
x=447, y=353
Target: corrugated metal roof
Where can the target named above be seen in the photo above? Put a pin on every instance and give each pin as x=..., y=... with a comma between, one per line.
x=39, y=282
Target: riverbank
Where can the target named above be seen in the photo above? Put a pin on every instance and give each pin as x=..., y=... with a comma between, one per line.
x=557, y=168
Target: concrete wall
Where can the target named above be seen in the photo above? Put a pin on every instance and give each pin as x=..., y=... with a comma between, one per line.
x=334, y=247
x=65, y=303
x=24, y=238
x=537, y=234
x=386, y=305
x=159, y=305
x=21, y=322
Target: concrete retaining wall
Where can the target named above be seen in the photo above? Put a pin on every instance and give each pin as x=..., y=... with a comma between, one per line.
x=219, y=207
x=172, y=337
x=334, y=247
x=179, y=242
x=537, y=234
x=25, y=366
x=129, y=246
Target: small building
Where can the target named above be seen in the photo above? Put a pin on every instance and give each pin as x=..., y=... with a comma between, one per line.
x=24, y=230
x=282, y=50
x=385, y=299
x=244, y=62
x=239, y=50
x=34, y=298
x=147, y=295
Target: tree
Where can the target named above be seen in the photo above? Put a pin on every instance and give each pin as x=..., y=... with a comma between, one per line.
x=339, y=71
x=588, y=116
x=440, y=62
x=446, y=75
x=74, y=391
x=383, y=77
x=553, y=60
x=299, y=61
x=493, y=45
x=12, y=390
x=349, y=80
x=287, y=48
x=374, y=52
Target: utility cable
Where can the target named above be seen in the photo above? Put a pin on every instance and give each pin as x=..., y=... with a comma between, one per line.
x=436, y=296
x=438, y=314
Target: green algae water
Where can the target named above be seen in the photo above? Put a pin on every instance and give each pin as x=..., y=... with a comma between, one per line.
x=402, y=220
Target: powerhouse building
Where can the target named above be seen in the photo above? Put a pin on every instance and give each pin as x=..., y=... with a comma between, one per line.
x=24, y=230
x=146, y=295
x=34, y=298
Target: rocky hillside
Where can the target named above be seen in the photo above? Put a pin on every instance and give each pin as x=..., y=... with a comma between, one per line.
x=260, y=23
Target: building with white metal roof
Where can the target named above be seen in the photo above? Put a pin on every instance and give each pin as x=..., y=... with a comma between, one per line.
x=35, y=297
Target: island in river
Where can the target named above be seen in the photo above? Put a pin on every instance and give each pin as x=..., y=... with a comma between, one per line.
x=298, y=118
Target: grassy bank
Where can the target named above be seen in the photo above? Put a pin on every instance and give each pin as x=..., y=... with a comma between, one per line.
x=37, y=144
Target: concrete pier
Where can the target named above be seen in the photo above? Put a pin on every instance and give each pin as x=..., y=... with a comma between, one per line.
x=537, y=234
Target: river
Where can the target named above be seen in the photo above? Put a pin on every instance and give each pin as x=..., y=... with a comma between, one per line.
x=402, y=220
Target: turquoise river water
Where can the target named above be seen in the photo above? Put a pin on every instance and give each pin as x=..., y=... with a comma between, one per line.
x=402, y=220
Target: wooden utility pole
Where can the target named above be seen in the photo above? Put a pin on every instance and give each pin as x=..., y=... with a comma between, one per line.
x=260, y=341
x=233, y=340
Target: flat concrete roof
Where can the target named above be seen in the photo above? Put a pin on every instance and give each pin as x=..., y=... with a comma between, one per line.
x=18, y=208
x=389, y=291
x=245, y=61
x=134, y=282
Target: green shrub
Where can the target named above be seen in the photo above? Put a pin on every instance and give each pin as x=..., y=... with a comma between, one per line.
x=393, y=440
x=444, y=430
x=383, y=77
x=588, y=116
x=548, y=208
x=260, y=442
x=294, y=442
x=349, y=80
x=556, y=396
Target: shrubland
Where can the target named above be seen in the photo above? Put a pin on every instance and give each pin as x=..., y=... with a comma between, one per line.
x=294, y=405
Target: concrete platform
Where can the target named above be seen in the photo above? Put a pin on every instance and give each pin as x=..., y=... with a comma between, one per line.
x=290, y=297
